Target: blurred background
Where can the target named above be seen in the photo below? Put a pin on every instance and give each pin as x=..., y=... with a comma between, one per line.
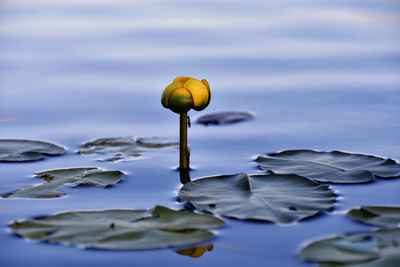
x=57, y=52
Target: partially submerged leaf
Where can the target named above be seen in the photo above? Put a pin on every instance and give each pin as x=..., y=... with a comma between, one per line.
x=224, y=117
x=154, y=142
x=387, y=216
x=18, y=150
x=376, y=248
x=120, y=229
x=123, y=148
x=332, y=167
x=55, y=179
x=275, y=198
x=392, y=261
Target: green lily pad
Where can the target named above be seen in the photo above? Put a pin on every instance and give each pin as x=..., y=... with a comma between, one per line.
x=275, y=197
x=55, y=179
x=376, y=248
x=120, y=229
x=224, y=117
x=18, y=150
x=332, y=167
x=377, y=215
x=123, y=148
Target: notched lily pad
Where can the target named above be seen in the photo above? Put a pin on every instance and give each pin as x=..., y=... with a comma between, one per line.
x=276, y=198
x=56, y=179
x=372, y=249
x=19, y=150
x=224, y=117
x=331, y=167
x=386, y=216
x=158, y=227
x=123, y=148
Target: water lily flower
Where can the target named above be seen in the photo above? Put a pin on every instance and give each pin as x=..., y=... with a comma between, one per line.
x=180, y=96
x=185, y=93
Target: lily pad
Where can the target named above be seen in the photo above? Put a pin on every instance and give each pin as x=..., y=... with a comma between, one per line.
x=224, y=117
x=276, y=198
x=123, y=148
x=18, y=150
x=332, y=167
x=55, y=179
x=377, y=215
x=120, y=229
x=376, y=248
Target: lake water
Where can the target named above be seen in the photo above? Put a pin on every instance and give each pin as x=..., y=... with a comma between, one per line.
x=318, y=75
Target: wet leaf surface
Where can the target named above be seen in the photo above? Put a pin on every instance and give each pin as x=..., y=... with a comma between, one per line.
x=332, y=167
x=386, y=216
x=224, y=117
x=19, y=150
x=56, y=179
x=123, y=148
x=276, y=198
x=371, y=249
x=158, y=227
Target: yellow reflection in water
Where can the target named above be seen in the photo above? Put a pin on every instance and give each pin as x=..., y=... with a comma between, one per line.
x=195, y=252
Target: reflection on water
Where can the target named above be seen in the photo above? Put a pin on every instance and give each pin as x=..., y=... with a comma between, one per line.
x=195, y=252
x=184, y=175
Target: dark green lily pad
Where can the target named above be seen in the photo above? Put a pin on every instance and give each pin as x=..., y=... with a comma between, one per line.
x=18, y=150
x=123, y=148
x=275, y=197
x=372, y=249
x=55, y=179
x=224, y=117
x=120, y=229
x=377, y=215
x=332, y=167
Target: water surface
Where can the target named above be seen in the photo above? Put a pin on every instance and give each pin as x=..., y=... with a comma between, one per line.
x=316, y=74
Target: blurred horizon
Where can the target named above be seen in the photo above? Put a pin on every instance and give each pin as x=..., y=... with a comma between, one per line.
x=55, y=46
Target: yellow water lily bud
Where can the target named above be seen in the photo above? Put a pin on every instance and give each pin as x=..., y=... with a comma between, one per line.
x=180, y=100
x=185, y=93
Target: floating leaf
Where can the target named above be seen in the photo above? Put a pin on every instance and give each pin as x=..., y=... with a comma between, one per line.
x=17, y=150
x=120, y=229
x=55, y=179
x=276, y=198
x=333, y=167
x=377, y=248
x=377, y=215
x=123, y=148
x=154, y=142
x=224, y=117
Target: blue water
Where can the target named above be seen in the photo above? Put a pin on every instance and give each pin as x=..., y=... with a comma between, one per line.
x=316, y=74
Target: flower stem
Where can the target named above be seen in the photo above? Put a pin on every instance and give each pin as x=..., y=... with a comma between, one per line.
x=184, y=155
